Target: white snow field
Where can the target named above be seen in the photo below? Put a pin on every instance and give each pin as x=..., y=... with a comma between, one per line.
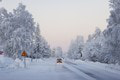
x=48, y=69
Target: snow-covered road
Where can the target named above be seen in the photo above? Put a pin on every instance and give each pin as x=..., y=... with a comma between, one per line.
x=49, y=70
x=94, y=72
x=43, y=70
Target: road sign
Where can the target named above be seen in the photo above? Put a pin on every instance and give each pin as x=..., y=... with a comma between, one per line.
x=24, y=54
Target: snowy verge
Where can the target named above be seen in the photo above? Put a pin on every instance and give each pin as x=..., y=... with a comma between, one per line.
x=108, y=67
x=9, y=63
x=5, y=62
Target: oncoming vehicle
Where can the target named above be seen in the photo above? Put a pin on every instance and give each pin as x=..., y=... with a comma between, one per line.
x=59, y=60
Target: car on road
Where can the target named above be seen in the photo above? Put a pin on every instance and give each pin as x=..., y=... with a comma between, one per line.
x=59, y=60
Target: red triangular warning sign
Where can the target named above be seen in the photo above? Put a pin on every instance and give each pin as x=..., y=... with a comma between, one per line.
x=24, y=53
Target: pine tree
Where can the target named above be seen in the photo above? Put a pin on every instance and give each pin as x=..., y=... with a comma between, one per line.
x=112, y=43
x=76, y=47
x=92, y=49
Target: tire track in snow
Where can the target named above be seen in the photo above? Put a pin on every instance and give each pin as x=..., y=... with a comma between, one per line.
x=92, y=72
x=78, y=72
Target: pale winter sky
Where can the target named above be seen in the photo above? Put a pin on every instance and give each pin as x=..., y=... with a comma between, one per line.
x=62, y=20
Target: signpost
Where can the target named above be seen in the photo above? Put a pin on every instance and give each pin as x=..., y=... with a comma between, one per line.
x=24, y=54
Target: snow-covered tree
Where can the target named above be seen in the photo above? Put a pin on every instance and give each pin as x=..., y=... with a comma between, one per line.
x=19, y=32
x=3, y=18
x=76, y=47
x=46, y=51
x=53, y=52
x=111, y=48
x=106, y=46
x=93, y=46
x=37, y=41
x=5, y=32
x=114, y=13
x=19, y=27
